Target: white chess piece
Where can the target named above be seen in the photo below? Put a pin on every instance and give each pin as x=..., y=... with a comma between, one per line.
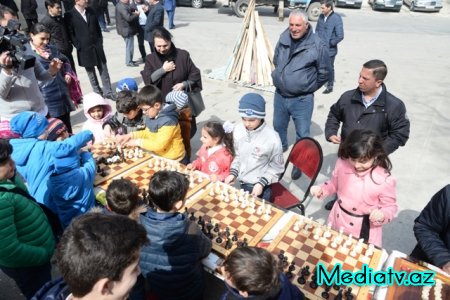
x=348, y=242
x=327, y=233
x=369, y=251
x=334, y=243
x=426, y=292
x=296, y=226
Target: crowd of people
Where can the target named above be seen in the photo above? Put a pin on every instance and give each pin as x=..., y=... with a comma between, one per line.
x=152, y=250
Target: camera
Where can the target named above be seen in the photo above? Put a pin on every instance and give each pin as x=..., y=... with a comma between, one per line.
x=13, y=41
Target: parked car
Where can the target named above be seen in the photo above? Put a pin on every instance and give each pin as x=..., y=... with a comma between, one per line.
x=348, y=3
x=424, y=5
x=196, y=3
x=393, y=5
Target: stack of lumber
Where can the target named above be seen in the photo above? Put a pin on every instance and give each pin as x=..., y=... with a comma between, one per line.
x=252, y=59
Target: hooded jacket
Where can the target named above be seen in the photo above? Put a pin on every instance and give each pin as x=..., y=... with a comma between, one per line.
x=53, y=290
x=96, y=126
x=162, y=135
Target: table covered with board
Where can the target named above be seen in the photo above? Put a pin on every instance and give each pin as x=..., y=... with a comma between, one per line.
x=233, y=218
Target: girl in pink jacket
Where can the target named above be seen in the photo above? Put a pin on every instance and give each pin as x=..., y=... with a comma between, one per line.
x=216, y=154
x=365, y=189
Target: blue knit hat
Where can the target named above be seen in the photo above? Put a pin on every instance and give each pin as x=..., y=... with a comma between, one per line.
x=179, y=98
x=252, y=105
x=126, y=84
x=29, y=124
x=66, y=158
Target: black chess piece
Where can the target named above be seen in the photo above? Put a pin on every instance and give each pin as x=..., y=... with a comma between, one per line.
x=301, y=280
x=313, y=285
x=103, y=173
x=219, y=239
x=326, y=294
x=305, y=271
x=292, y=267
x=245, y=242
x=348, y=294
x=234, y=238
x=98, y=168
x=227, y=231
x=200, y=220
x=289, y=274
x=339, y=295
x=336, y=287
x=285, y=262
x=228, y=244
x=192, y=217
x=281, y=255
x=216, y=227
x=209, y=227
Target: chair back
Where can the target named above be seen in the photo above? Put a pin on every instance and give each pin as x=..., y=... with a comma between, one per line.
x=307, y=156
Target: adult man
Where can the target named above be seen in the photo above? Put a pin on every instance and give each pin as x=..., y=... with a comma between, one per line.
x=370, y=106
x=19, y=90
x=126, y=25
x=169, y=6
x=331, y=30
x=155, y=19
x=59, y=35
x=302, y=66
x=98, y=257
x=87, y=38
x=432, y=231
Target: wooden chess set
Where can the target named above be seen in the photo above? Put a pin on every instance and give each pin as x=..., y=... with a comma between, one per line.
x=231, y=217
x=303, y=243
x=440, y=291
x=112, y=160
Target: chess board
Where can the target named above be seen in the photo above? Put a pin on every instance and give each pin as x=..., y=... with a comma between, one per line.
x=298, y=245
x=411, y=292
x=247, y=223
x=141, y=175
x=114, y=169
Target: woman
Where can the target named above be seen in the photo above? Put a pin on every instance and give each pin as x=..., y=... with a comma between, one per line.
x=171, y=68
x=55, y=91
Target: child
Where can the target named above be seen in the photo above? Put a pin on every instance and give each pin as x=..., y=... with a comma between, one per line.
x=365, y=189
x=255, y=273
x=171, y=263
x=259, y=156
x=97, y=111
x=162, y=135
x=26, y=237
x=98, y=257
x=126, y=84
x=128, y=118
x=180, y=99
x=56, y=130
x=71, y=185
x=217, y=151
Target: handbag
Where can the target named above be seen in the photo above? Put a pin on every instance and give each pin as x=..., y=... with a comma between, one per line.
x=195, y=103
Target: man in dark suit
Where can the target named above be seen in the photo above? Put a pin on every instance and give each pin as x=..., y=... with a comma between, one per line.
x=155, y=19
x=87, y=38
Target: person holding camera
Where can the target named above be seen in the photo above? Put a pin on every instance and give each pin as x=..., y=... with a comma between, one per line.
x=19, y=89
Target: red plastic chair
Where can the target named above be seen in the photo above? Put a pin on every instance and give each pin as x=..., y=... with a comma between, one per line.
x=307, y=156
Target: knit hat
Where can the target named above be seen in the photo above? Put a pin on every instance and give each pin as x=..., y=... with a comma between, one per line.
x=179, y=98
x=29, y=124
x=252, y=105
x=66, y=158
x=55, y=128
x=127, y=84
x=5, y=131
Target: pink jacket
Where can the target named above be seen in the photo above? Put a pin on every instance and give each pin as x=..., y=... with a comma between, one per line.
x=96, y=126
x=360, y=193
x=218, y=163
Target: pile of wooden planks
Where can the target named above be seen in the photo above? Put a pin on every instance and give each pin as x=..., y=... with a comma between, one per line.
x=252, y=59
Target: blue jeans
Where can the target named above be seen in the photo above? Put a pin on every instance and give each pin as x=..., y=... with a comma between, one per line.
x=101, y=18
x=171, y=15
x=129, y=49
x=266, y=194
x=300, y=108
x=331, y=78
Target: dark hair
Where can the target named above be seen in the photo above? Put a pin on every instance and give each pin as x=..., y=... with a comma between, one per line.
x=122, y=196
x=215, y=130
x=97, y=246
x=51, y=3
x=5, y=150
x=149, y=95
x=327, y=3
x=6, y=10
x=162, y=33
x=38, y=28
x=365, y=144
x=166, y=188
x=378, y=67
x=126, y=101
x=253, y=270
x=100, y=105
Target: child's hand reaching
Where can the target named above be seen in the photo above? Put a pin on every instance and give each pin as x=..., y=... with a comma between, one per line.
x=123, y=139
x=257, y=190
x=108, y=131
x=190, y=167
x=316, y=191
x=229, y=179
x=376, y=216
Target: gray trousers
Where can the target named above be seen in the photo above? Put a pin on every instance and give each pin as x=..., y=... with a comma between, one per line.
x=104, y=76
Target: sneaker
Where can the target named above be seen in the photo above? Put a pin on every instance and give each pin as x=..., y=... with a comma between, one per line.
x=132, y=64
x=327, y=91
x=330, y=204
x=296, y=173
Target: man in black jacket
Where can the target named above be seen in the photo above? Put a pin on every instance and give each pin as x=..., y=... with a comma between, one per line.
x=126, y=24
x=155, y=19
x=432, y=231
x=59, y=36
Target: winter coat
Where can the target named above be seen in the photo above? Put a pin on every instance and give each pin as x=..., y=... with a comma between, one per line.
x=155, y=18
x=218, y=163
x=330, y=32
x=96, y=126
x=126, y=21
x=171, y=263
x=162, y=135
x=431, y=229
x=26, y=238
x=72, y=191
x=305, y=70
x=185, y=70
x=386, y=116
x=59, y=35
x=34, y=161
x=55, y=91
x=28, y=8
x=86, y=37
x=258, y=155
x=53, y=290
x=288, y=292
x=120, y=124
x=360, y=194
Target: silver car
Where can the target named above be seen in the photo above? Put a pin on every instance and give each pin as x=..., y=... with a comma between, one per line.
x=393, y=5
x=424, y=5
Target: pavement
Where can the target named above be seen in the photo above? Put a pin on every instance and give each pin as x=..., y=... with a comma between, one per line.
x=415, y=47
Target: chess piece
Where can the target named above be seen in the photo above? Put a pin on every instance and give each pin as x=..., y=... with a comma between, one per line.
x=281, y=255
x=292, y=267
x=209, y=227
x=234, y=238
x=326, y=293
x=313, y=285
x=289, y=274
x=348, y=294
x=301, y=280
x=219, y=239
x=369, y=251
x=337, y=287
x=216, y=227
x=228, y=244
x=227, y=231
x=103, y=173
x=245, y=243
x=200, y=220
x=192, y=217
x=339, y=295
x=305, y=271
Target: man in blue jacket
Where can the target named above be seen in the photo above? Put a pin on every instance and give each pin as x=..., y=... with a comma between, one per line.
x=330, y=30
x=302, y=65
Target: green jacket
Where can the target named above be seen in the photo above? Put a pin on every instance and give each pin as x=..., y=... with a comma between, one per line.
x=26, y=238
